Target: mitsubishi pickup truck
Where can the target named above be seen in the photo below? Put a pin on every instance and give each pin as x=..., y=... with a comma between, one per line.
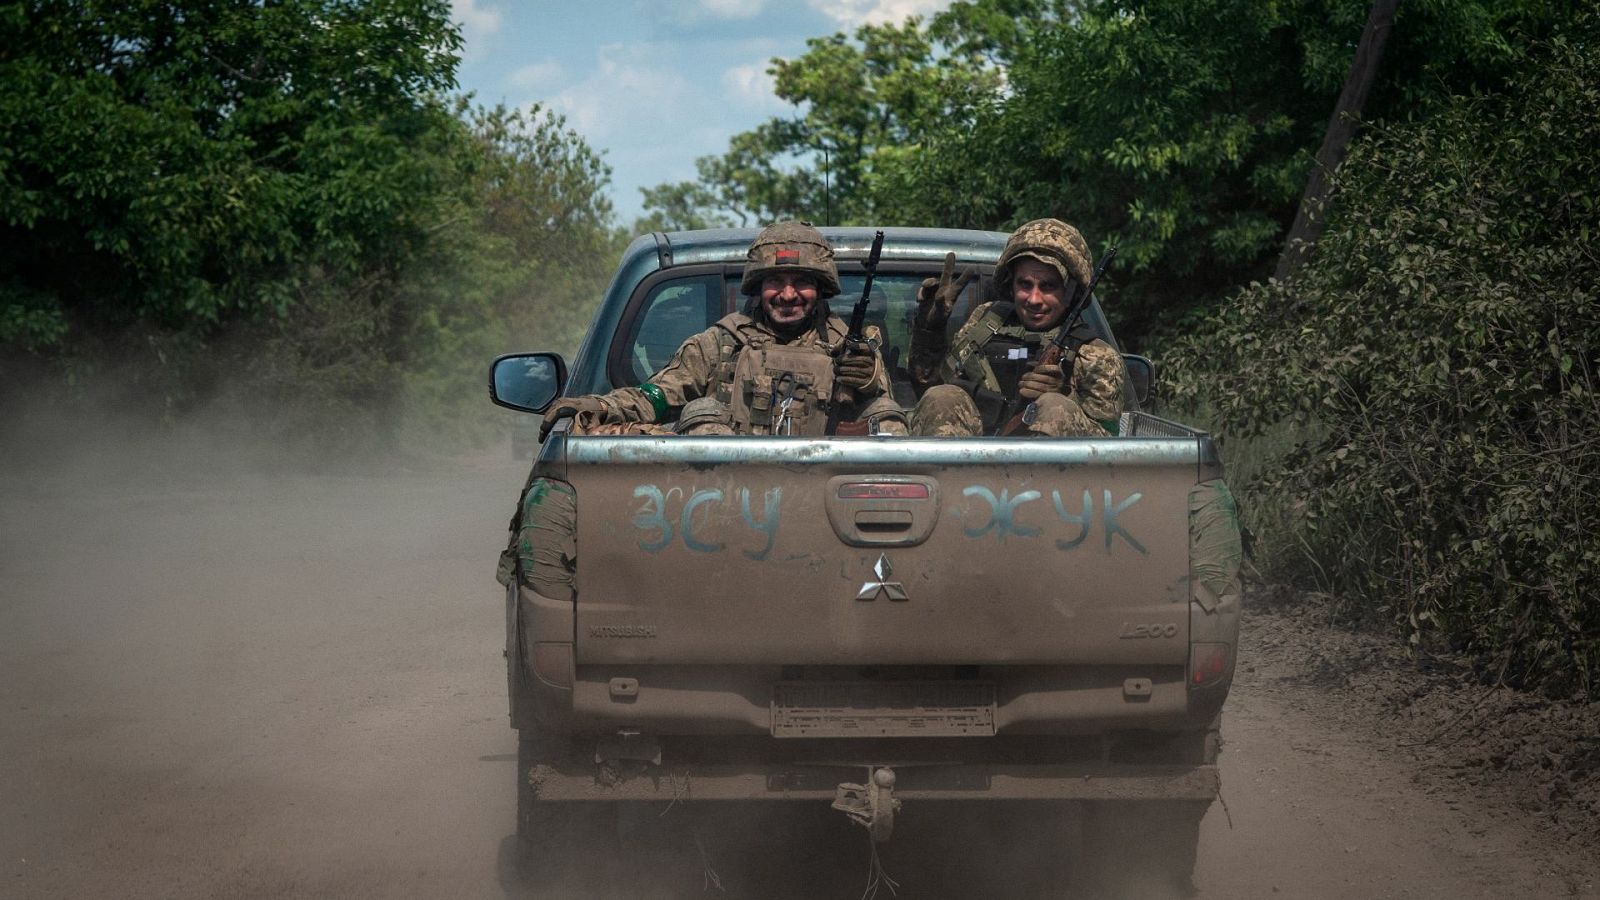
x=865, y=622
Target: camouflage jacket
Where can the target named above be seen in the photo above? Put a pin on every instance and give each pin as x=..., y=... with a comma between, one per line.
x=703, y=367
x=1097, y=377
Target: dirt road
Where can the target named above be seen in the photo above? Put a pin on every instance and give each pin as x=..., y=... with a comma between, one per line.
x=291, y=686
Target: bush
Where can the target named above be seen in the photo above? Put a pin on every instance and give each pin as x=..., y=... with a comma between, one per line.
x=278, y=206
x=1430, y=379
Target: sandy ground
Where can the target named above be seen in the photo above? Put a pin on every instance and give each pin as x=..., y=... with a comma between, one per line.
x=291, y=686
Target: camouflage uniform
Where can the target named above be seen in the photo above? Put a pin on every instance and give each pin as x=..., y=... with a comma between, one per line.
x=696, y=386
x=993, y=349
x=734, y=377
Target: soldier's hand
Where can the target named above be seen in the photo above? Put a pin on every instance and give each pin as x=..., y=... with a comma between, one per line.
x=856, y=368
x=1042, y=380
x=937, y=297
x=568, y=406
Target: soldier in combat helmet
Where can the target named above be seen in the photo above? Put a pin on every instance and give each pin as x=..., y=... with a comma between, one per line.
x=771, y=369
x=967, y=384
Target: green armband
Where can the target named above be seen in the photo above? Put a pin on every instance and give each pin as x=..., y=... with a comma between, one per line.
x=657, y=398
x=1113, y=427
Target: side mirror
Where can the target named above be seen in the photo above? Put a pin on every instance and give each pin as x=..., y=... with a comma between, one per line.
x=529, y=382
x=1142, y=375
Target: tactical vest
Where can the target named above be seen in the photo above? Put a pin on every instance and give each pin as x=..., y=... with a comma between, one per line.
x=773, y=388
x=990, y=356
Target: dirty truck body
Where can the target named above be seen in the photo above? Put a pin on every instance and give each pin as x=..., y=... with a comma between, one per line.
x=863, y=620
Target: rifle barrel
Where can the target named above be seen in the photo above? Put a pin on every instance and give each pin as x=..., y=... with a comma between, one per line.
x=858, y=316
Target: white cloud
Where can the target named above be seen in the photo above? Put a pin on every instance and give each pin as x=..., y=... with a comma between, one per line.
x=627, y=95
x=750, y=87
x=538, y=76
x=479, y=22
x=733, y=9
x=851, y=13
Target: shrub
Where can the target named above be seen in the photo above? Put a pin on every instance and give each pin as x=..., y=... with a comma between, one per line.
x=1431, y=379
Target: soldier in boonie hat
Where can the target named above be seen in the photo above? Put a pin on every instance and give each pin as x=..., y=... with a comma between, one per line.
x=968, y=383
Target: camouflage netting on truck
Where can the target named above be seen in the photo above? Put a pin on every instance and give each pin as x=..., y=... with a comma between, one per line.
x=545, y=545
x=1215, y=549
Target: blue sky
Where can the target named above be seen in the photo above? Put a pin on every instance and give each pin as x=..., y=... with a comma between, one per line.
x=651, y=84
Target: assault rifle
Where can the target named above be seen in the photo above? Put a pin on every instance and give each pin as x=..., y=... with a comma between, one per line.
x=855, y=338
x=1057, y=349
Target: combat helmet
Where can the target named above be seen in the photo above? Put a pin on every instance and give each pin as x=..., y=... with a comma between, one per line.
x=1052, y=242
x=790, y=247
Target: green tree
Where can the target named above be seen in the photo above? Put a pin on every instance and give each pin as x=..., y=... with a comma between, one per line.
x=1431, y=379
x=680, y=206
x=1181, y=130
x=279, y=203
x=166, y=163
x=867, y=104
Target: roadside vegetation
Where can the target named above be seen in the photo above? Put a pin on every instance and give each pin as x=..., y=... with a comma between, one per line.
x=288, y=210
x=1422, y=403
x=280, y=210
x=1180, y=130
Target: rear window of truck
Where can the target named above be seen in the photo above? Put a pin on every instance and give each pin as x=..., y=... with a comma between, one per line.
x=671, y=310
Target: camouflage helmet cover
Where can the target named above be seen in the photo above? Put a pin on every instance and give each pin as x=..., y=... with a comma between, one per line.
x=1052, y=242
x=790, y=247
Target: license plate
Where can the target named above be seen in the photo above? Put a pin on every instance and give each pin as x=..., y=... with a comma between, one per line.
x=814, y=709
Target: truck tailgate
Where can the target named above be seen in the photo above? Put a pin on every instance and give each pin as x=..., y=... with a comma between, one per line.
x=747, y=550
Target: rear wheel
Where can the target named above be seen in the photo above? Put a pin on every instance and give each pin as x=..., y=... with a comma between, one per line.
x=569, y=846
x=1137, y=849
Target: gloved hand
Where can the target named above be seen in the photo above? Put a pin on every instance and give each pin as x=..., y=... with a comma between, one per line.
x=1042, y=380
x=855, y=368
x=937, y=296
x=568, y=406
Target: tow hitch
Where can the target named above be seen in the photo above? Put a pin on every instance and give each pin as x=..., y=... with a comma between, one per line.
x=871, y=805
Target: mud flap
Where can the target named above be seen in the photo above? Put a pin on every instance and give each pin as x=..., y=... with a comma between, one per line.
x=871, y=805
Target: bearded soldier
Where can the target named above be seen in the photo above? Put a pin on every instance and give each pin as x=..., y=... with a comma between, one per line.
x=968, y=384
x=773, y=369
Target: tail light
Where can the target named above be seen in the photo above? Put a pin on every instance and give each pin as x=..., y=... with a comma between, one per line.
x=1207, y=664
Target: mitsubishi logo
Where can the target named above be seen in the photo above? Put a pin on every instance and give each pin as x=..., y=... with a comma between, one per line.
x=894, y=590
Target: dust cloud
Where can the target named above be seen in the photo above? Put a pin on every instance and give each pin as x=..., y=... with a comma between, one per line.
x=231, y=671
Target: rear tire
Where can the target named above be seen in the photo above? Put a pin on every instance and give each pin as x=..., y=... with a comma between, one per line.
x=1137, y=849
x=565, y=846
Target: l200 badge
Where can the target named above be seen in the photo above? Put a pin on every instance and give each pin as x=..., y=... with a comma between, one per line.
x=872, y=590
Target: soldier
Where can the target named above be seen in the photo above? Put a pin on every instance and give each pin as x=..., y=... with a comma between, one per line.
x=771, y=369
x=967, y=386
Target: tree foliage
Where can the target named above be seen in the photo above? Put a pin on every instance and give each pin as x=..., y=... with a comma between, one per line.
x=1180, y=130
x=866, y=104
x=166, y=163
x=279, y=200
x=1437, y=368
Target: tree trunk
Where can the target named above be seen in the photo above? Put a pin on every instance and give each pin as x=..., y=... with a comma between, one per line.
x=1308, y=221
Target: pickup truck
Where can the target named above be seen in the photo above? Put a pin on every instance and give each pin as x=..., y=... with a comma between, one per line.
x=867, y=622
